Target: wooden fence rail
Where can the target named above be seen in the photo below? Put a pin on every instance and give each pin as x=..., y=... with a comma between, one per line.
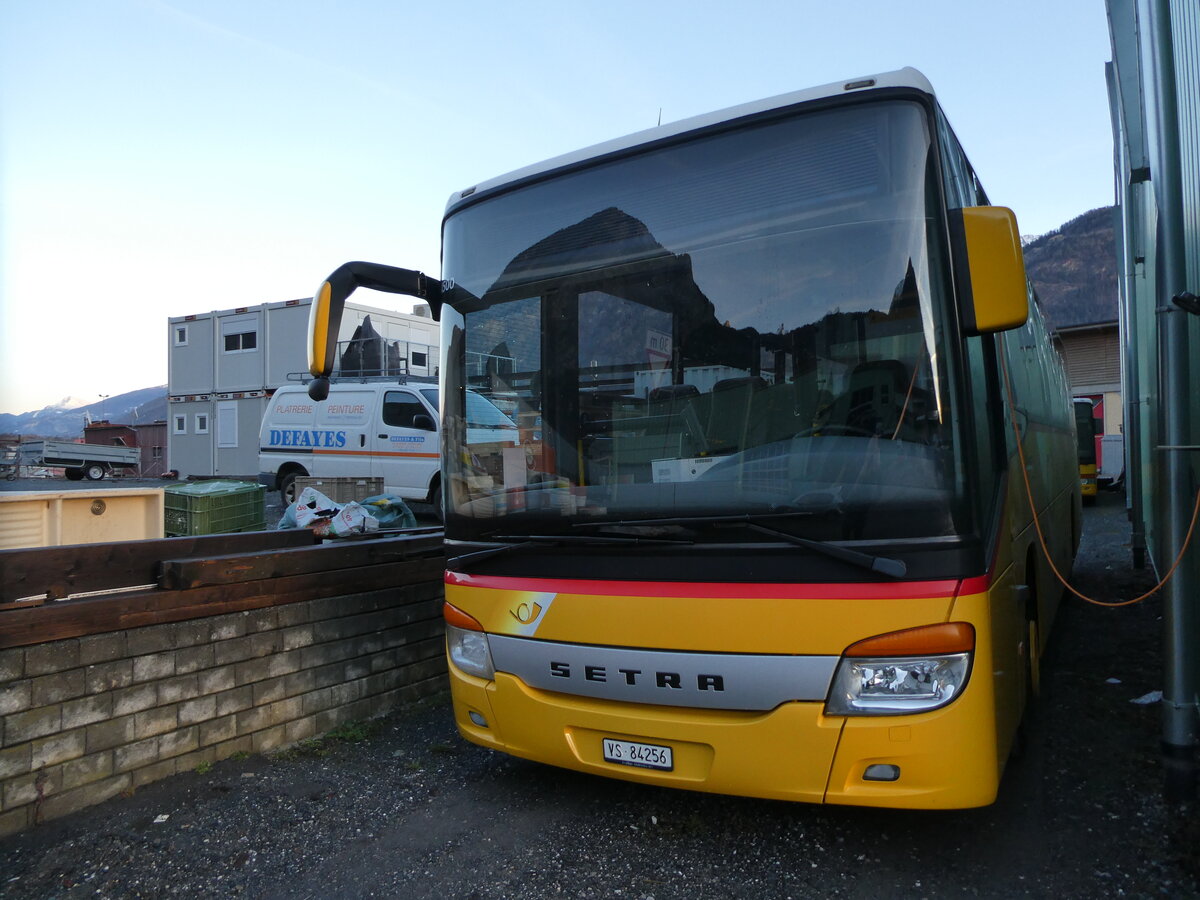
x=140, y=583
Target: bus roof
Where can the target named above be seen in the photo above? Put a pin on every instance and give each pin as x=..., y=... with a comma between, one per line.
x=901, y=78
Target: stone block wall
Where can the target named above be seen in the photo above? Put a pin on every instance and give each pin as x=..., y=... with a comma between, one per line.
x=87, y=718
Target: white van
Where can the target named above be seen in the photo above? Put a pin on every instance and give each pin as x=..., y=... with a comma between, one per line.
x=386, y=429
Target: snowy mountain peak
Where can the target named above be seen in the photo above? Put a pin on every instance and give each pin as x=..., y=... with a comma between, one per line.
x=70, y=403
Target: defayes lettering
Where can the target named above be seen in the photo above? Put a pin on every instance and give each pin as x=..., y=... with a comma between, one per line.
x=294, y=437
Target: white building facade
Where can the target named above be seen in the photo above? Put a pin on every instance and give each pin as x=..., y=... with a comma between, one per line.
x=224, y=365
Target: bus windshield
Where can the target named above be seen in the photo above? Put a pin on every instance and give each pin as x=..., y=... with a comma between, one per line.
x=745, y=323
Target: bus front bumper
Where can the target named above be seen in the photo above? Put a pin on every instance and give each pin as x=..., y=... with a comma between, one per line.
x=945, y=759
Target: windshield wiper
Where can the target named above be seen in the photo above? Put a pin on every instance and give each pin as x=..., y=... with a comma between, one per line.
x=525, y=541
x=700, y=520
x=884, y=565
x=893, y=568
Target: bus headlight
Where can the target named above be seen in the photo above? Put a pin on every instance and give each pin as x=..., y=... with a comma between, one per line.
x=469, y=651
x=904, y=672
x=467, y=643
x=893, y=687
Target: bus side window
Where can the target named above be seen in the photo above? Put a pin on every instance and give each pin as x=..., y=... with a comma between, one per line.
x=962, y=188
x=983, y=412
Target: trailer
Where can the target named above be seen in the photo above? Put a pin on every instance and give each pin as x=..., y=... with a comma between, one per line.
x=90, y=461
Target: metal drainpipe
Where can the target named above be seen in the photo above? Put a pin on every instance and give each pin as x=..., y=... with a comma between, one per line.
x=1180, y=722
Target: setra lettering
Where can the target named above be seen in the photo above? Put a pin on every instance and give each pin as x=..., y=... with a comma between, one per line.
x=666, y=680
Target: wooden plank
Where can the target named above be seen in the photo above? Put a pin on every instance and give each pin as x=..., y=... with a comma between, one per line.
x=27, y=603
x=62, y=571
x=97, y=615
x=185, y=574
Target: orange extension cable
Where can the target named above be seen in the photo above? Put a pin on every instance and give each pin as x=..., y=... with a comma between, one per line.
x=1012, y=412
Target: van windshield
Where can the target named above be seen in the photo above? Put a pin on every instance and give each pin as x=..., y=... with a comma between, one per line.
x=481, y=412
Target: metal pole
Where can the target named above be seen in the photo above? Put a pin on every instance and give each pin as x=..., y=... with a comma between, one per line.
x=1180, y=723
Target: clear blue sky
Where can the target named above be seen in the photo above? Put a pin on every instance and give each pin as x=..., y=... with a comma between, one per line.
x=163, y=158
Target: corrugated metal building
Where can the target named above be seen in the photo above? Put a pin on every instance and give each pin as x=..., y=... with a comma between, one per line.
x=224, y=365
x=1154, y=87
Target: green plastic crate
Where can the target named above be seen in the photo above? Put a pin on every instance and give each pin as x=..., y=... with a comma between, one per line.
x=214, y=507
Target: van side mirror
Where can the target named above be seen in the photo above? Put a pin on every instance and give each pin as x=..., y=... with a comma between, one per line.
x=325, y=314
x=989, y=269
x=423, y=422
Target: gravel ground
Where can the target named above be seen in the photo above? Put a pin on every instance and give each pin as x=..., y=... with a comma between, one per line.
x=405, y=808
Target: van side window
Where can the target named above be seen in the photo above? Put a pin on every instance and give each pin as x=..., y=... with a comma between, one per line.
x=400, y=408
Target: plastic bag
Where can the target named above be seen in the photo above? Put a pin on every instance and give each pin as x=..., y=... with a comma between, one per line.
x=352, y=518
x=310, y=506
x=391, y=512
x=314, y=510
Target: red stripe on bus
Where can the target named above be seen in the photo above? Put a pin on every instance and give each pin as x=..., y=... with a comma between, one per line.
x=899, y=590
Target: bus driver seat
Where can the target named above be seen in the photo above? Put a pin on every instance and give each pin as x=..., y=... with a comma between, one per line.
x=873, y=398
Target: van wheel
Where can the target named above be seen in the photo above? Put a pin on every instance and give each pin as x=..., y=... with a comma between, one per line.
x=287, y=488
x=94, y=472
x=73, y=474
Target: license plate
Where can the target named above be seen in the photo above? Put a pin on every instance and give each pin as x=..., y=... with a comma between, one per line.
x=631, y=753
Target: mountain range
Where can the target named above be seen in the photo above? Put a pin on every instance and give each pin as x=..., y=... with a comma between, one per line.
x=1074, y=270
x=66, y=418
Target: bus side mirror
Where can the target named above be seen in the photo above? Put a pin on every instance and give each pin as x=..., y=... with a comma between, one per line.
x=325, y=314
x=989, y=270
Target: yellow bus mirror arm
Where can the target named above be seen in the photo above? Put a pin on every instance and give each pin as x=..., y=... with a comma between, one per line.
x=325, y=314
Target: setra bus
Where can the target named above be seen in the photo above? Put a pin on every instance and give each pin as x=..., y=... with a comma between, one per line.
x=764, y=532
x=1085, y=435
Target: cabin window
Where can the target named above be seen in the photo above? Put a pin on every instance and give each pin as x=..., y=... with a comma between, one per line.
x=239, y=334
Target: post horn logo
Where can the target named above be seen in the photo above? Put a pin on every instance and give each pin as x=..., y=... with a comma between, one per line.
x=526, y=613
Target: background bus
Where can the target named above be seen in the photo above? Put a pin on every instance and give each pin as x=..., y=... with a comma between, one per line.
x=1085, y=436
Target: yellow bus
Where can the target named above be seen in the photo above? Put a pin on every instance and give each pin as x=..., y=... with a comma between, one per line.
x=1085, y=433
x=765, y=532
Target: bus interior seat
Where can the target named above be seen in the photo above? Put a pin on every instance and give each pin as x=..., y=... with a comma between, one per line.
x=873, y=397
x=730, y=426
x=672, y=392
x=676, y=403
x=666, y=427
x=786, y=409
